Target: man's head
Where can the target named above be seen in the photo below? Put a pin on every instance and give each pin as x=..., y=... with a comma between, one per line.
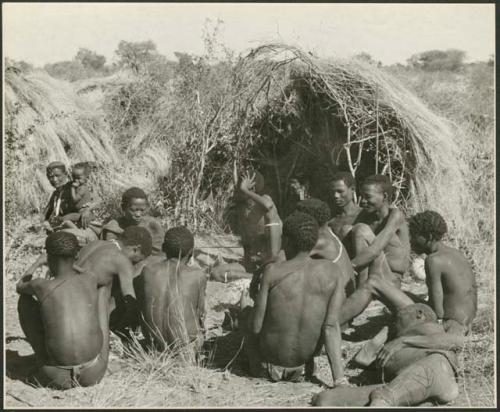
x=412, y=316
x=342, y=188
x=425, y=229
x=60, y=246
x=376, y=191
x=316, y=208
x=137, y=242
x=178, y=243
x=300, y=233
x=134, y=204
x=56, y=173
x=80, y=173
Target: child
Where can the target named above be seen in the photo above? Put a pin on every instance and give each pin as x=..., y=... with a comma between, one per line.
x=135, y=207
x=449, y=277
x=83, y=201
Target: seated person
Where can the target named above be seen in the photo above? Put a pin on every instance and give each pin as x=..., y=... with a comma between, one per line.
x=83, y=200
x=329, y=245
x=260, y=228
x=112, y=263
x=345, y=211
x=172, y=295
x=135, y=207
x=62, y=208
x=449, y=277
x=296, y=310
x=381, y=239
x=421, y=361
x=62, y=321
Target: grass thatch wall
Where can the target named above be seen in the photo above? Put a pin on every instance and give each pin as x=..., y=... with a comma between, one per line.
x=303, y=112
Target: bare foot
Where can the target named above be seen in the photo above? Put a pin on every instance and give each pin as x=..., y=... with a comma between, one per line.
x=369, y=351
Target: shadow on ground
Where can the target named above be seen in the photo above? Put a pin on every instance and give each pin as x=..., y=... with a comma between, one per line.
x=21, y=368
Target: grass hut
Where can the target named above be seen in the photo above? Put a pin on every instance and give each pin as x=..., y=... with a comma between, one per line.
x=305, y=118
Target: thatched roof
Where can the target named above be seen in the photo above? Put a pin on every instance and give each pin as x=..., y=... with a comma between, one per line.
x=304, y=112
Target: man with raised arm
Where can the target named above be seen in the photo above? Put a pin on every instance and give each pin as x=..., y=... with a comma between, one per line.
x=296, y=310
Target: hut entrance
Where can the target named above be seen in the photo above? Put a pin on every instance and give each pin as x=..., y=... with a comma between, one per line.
x=302, y=142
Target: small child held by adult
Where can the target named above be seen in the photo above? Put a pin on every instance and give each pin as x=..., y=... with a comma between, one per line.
x=450, y=280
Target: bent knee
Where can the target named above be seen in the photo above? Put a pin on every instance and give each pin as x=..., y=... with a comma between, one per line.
x=321, y=399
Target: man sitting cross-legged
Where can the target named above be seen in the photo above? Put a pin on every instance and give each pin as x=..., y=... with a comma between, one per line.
x=172, y=294
x=329, y=245
x=449, y=277
x=112, y=262
x=421, y=360
x=381, y=239
x=63, y=324
x=296, y=310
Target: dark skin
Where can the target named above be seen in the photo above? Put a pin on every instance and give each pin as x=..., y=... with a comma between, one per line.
x=172, y=298
x=450, y=281
x=293, y=317
x=381, y=244
x=57, y=178
x=345, y=210
x=64, y=325
x=328, y=248
x=79, y=190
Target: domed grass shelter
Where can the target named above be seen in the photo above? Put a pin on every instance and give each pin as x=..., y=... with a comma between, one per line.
x=305, y=118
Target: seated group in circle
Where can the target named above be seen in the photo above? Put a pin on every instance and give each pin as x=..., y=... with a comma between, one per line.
x=311, y=274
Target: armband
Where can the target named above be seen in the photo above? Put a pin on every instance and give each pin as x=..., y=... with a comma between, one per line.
x=341, y=381
x=440, y=321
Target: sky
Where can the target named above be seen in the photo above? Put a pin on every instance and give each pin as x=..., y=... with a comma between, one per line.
x=41, y=33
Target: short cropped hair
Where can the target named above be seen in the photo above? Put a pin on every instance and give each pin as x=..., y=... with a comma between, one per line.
x=382, y=181
x=346, y=177
x=56, y=165
x=138, y=236
x=62, y=244
x=429, y=224
x=426, y=310
x=302, y=230
x=178, y=242
x=133, y=193
x=82, y=165
x=316, y=208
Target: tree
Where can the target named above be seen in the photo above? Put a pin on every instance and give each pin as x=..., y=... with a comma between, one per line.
x=437, y=60
x=90, y=59
x=136, y=55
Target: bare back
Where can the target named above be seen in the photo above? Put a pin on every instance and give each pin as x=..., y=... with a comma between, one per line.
x=102, y=258
x=451, y=268
x=172, y=300
x=70, y=318
x=331, y=248
x=299, y=295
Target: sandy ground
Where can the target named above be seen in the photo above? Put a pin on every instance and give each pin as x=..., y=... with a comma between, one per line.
x=221, y=382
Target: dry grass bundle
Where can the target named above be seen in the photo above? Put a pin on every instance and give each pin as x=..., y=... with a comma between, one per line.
x=45, y=121
x=351, y=115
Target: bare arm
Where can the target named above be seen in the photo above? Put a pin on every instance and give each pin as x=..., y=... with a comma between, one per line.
x=332, y=332
x=444, y=341
x=261, y=302
x=395, y=220
x=125, y=272
x=435, y=286
x=27, y=285
x=201, y=301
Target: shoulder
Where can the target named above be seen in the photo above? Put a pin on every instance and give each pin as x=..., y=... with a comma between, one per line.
x=151, y=222
x=434, y=260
